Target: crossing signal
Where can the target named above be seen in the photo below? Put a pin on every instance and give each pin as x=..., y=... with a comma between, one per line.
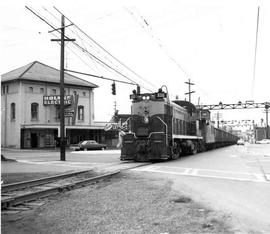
x=113, y=89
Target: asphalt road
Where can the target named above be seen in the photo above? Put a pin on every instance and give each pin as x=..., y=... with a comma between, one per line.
x=234, y=180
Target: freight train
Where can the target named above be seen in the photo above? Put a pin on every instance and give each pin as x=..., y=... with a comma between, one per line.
x=160, y=129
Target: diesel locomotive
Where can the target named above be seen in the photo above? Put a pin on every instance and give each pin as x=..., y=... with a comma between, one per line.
x=160, y=129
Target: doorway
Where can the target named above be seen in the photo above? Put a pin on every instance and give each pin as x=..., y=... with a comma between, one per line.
x=34, y=140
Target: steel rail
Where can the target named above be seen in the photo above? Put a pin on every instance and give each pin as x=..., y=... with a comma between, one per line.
x=52, y=189
x=16, y=200
x=45, y=180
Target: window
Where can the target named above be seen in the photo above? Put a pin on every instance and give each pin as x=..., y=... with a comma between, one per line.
x=80, y=112
x=34, y=111
x=31, y=89
x=12, y=111
x=41, y=90
x=53, y=91
x=4, y=89
x=84, y=94
x=57, y=113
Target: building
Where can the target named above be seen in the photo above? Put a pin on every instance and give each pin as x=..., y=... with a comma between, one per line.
x=260, y=133
x=30, y=110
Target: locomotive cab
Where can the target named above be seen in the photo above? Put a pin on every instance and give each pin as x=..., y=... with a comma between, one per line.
x=147, y=138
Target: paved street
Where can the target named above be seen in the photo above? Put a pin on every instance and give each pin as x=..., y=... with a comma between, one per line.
x=233, y=179
x=241, y=163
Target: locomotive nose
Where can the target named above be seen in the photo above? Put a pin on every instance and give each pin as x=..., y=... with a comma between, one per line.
x=142, y=147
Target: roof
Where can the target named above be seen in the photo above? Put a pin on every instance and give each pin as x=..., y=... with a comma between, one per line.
x=37, y=71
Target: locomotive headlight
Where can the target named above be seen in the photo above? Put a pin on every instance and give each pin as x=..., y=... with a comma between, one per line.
x=132, y=96
x=146, y=119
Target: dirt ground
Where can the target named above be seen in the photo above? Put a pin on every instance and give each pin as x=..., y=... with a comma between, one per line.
x=126, y=203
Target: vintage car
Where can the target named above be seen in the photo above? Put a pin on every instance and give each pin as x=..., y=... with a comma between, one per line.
x=263, y=141
x=240, y=142
x=91, y=145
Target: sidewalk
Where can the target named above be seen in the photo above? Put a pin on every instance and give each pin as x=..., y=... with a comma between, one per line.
x=47, y=162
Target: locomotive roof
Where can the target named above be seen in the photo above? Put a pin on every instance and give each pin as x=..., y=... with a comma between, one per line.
x=188, y=105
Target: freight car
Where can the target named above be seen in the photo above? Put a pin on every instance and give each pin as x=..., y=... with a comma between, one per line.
x=159, y=129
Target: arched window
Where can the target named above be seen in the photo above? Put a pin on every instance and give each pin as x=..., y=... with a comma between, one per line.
x=12, y=111
x=80, y=112
x=34, y=111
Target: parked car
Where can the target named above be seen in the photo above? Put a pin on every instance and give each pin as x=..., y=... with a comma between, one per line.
x=240, y=142
x=91, y=145
x=263, y=141
x=75, y=147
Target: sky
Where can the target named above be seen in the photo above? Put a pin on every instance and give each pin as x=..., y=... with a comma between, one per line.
x=210, y=42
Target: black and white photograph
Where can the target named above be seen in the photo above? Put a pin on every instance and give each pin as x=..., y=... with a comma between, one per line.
x=135, y=117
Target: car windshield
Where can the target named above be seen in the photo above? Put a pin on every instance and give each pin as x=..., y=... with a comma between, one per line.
x=89, y=142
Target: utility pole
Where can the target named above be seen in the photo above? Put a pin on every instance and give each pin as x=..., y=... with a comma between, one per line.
x=62, y=82
x=255, y=52
x=189, y=90
x=267, y=127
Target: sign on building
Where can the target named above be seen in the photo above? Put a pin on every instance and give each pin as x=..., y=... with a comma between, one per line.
x=55, y=100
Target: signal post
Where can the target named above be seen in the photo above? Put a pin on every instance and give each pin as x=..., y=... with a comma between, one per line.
x=62, y=81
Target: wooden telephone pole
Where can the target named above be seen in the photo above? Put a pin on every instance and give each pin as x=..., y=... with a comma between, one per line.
x=62, y=82
x=267, y=106
x=189, y=90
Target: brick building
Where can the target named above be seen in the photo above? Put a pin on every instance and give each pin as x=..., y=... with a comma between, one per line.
x=30, y=108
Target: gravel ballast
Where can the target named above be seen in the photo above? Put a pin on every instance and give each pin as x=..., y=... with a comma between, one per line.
x=126, y=203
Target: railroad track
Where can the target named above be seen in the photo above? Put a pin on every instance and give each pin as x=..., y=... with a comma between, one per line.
x=15, y=194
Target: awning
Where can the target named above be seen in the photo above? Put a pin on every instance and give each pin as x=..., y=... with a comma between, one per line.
x=41, y=126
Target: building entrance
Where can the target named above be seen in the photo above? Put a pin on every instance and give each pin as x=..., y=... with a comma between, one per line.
x=34, y=140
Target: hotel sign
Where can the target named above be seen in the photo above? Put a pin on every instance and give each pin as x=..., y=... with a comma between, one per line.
x=55, y=100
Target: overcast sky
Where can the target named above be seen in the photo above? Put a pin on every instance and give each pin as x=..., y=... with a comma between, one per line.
x=165, y=42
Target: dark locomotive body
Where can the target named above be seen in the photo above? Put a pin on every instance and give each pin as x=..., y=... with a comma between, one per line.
x=159, y=129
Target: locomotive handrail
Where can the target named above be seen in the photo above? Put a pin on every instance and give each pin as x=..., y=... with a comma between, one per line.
x=166, y=129
x=130, y=131
x=153, y=133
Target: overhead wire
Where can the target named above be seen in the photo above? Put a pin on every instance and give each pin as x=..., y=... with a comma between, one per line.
x=68, y=45
x=77, y=34
x=141, y=20
x=95, y=42
x=147, y=27
x=82, y=49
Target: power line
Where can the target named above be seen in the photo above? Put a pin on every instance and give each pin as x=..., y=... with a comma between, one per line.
x=146, y=25
x=255, y=52
x=84, y=50
x=101, y=77
x=91, y=39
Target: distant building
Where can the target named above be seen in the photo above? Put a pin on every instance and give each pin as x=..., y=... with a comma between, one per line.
x=30, y=108
x=237, y=133
x=260, y=133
